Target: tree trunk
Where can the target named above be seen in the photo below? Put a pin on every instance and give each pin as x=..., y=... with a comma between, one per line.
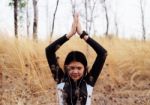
x=52, y=31
x=73, y=4
x=16, y=18
x=142, y=17
x=47, y=18
x=107, y=21
x=106, y=15
x=86, y=15
x=35, y=21
x=86, y=23
x=27, y=19
x=92, y=8
x=116, y=24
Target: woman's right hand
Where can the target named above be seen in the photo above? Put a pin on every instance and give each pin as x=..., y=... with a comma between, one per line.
x=79, y=28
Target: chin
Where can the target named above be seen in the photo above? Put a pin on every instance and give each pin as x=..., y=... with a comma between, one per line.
x=75, y=79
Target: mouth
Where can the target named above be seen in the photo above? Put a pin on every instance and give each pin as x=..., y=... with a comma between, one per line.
x=75, y=76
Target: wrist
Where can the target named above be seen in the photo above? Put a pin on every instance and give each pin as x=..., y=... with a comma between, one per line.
x=80, y=32
x=86, y=37
x=83, y=34
x=68, y=35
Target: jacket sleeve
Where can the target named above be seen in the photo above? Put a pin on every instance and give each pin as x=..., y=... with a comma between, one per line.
x=57, y=72
x=98, y=63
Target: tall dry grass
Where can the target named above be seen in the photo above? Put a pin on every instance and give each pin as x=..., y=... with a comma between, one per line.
x=26, y=78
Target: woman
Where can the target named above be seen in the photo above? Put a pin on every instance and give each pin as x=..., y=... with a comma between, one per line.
x=75, y=84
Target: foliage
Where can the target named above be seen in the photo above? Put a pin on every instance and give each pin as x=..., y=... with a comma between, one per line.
x=21, y=8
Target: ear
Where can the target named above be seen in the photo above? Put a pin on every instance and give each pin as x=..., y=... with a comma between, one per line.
x=66, y=68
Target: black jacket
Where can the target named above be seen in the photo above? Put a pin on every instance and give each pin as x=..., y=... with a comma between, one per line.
x=75, y=93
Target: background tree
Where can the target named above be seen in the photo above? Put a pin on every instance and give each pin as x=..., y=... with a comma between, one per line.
x=86, y=14
x=115, y=17
x=53, y=23
x=116, y=24
x=47, y=18
x=15, y=17
x=92, y=17
x=14, y=3
x=27, y=18
x=103, y=2
x=142, y=19
x=18, y=6
x=35, y=20
x=73, y=4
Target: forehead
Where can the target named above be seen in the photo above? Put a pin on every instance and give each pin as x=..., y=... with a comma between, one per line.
x=75, y=63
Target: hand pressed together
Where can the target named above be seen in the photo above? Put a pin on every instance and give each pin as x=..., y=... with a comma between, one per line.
x=76, y=27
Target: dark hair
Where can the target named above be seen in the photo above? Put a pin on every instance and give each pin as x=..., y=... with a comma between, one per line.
x=76, y=56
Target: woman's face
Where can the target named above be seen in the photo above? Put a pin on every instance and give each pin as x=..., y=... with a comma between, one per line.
x=75, y=70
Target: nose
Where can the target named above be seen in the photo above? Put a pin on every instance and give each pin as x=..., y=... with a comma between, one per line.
x=75, y=71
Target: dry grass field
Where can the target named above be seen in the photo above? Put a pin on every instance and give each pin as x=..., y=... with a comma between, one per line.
x=25, y=78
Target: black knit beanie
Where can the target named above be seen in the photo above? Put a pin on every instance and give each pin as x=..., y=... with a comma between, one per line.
x=76, y=56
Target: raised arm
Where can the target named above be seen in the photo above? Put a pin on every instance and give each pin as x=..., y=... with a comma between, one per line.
x=100, y=59
x=51, y=56
x=52, y=59
x=95, y=71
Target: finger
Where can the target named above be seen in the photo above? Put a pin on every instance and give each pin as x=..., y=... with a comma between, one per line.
x=75, y=19
x=76, y=14
x=74, y=24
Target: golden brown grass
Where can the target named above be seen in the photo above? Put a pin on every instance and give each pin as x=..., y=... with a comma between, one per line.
x=26, y=78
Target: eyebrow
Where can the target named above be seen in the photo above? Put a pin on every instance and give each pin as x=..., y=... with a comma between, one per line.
x=74, y=66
